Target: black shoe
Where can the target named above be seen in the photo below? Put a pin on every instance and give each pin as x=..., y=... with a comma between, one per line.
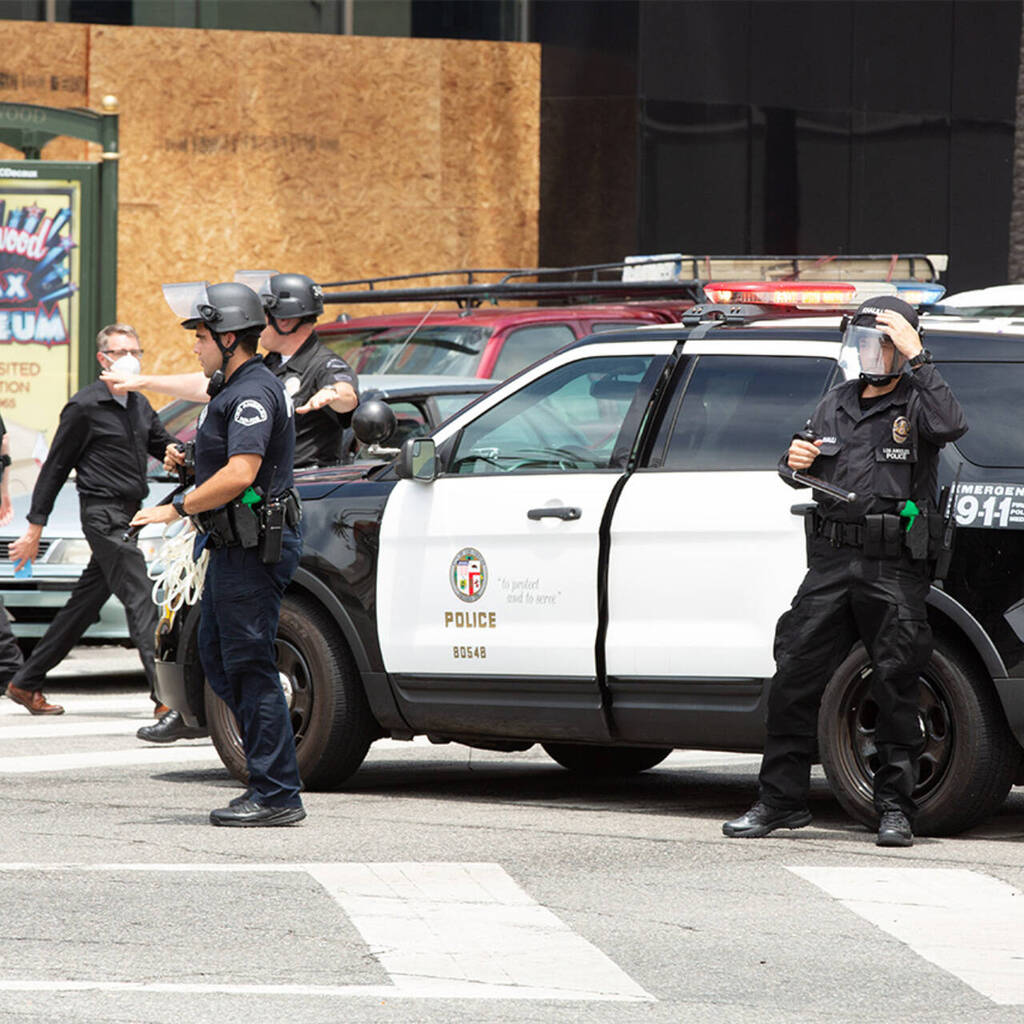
x=762, y=819
x=894, y=830
x=247, y=795
x=253, y=814
x=170, y=728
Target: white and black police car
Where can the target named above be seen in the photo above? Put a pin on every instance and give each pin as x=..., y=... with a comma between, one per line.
x=593, y=556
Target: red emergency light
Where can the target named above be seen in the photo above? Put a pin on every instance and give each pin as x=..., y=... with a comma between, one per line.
x=784, y=293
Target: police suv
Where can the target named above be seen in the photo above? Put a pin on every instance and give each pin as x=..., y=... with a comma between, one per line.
x=593, y=556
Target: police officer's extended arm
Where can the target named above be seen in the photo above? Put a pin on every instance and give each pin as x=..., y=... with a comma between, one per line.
x=341, y=397
x=191, y=386
x=225, y=485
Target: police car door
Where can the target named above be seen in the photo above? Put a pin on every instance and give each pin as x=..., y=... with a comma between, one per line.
x=705, y=553
x=487, y=583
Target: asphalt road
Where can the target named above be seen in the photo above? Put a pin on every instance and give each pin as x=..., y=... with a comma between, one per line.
x=453, y=885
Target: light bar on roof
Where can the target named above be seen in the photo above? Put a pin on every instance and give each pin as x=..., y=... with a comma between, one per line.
x=918, y=294
x=799, y=294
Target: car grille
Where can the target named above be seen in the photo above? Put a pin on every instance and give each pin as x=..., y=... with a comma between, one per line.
x=5, y=548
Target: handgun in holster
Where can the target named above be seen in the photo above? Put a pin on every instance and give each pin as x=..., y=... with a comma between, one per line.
x=915, y=533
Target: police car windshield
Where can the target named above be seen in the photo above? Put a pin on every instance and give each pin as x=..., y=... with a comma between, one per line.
x=452, y=349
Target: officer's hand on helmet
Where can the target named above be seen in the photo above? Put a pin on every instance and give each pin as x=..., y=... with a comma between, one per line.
x=122, y=382
x=904, y=337
x=802, y=453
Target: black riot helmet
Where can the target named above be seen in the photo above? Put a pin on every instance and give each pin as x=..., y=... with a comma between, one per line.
x=867, y=350
x=292, y=295
x=223, y=308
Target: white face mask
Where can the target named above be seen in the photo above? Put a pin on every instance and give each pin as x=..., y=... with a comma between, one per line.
x=127, y=366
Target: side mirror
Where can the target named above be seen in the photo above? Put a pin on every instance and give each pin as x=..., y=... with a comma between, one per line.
x=417, y=460
x=373, y=421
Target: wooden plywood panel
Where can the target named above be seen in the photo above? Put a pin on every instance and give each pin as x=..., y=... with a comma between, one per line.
x=48, y=65
x=334, y=156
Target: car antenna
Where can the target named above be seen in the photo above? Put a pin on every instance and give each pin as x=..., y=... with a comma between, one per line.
x=401, y=348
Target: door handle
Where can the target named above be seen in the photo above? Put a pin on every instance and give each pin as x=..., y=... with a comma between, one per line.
x=563, y=512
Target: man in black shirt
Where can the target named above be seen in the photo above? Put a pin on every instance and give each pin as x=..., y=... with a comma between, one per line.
x=868, y=568
x=105, y=438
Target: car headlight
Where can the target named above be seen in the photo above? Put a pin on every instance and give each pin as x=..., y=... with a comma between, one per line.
x=69, y=552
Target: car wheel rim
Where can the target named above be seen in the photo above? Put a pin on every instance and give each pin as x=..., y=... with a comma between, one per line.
x=296, y=682
x=858, y=753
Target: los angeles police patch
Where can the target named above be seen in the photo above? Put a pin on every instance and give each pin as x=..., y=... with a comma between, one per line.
x=249, y=412
x=900, y=429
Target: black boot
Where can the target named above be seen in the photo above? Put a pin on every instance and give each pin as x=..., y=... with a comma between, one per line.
x=170, y=728
x=894, y=830
x=762, y=819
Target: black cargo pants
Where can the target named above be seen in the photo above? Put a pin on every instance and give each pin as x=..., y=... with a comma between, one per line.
x=845, y=596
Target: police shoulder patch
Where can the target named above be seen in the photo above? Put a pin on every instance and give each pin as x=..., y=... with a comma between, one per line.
x=249, y=412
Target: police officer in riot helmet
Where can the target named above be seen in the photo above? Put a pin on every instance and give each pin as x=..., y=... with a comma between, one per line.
x=877, y=435
x=321, y=384
x=248, y=516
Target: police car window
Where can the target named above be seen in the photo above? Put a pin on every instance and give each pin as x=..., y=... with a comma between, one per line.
x=526, y=345
x=740, y=412
x=990, y=394
x=568, y=420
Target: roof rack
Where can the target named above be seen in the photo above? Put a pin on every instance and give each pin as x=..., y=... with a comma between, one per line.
x=637, y=277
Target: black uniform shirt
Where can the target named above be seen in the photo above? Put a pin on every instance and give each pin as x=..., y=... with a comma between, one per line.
x=889, y=451
x=250, y=416
x=318, y=434
x=106, y=443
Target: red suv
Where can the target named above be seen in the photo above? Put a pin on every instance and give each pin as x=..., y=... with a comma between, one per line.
x=484, y=342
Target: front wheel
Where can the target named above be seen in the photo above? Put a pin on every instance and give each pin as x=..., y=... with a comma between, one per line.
x=967, y=757
x=330, y=716
x=605, y=761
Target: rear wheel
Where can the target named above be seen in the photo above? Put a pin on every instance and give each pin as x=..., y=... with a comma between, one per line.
x=607, y=761
x=329, y=713
x=967, y=758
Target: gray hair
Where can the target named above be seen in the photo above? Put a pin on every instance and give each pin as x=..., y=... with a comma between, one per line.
x=106, y=332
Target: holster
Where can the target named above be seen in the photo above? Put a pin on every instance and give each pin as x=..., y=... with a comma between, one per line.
x=246, y=523
x=882, y=536
x=916, y=536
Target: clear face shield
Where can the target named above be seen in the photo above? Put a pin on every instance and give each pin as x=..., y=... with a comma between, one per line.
x=190, y=302
x=259, y=282
x=868, y=354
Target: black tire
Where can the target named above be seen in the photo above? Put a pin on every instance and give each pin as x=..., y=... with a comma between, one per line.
x=333, y=724
x=605, y=761
x=968, y=758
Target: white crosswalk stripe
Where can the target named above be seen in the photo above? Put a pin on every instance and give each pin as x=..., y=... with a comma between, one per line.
x=440, y=930
x=960, y=920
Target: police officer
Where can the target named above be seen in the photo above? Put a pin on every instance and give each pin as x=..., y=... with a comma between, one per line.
x=248, y=513
x=878, y=436
x=321, y=384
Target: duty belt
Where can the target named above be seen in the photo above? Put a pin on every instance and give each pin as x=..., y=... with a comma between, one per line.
x=838, y=533
x=240, y=525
